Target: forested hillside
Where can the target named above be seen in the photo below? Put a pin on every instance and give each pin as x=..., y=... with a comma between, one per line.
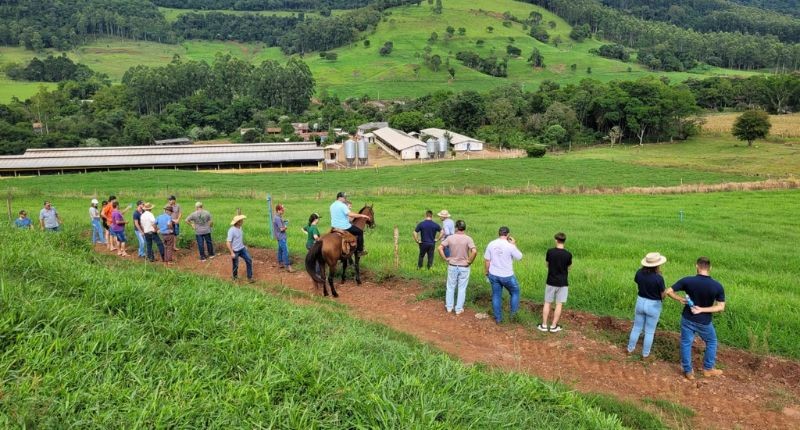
x=305, y=5
x=791, y=7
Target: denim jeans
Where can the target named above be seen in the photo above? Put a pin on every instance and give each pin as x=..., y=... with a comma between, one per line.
x=646, y=318
x=149, y=239
x=447, y=251
x=456, y=277
x=509, y=283
x=140, y=238
x=709, y=336
x=247, y=261
x=176, y=229
x=97, y=232
x=283, y=252
x=209, y=244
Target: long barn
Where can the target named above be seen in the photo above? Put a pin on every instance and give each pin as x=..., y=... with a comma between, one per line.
x=194, y=157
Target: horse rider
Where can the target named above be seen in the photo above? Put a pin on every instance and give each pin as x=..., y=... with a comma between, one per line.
x=340, y=219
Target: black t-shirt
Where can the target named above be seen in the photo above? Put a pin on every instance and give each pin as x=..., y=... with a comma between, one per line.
x=558, y=262
x=651, y=284
x=428, y=228
x=704, y=291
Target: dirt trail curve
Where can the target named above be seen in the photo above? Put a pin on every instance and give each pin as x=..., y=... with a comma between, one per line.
x=754, y=392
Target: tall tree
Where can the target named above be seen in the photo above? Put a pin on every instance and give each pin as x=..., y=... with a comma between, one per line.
x=751, y=125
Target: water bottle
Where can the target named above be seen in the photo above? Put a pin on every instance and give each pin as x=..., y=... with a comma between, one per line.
x=689, y=301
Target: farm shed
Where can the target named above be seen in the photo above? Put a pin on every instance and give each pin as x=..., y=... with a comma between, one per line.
x=399, y=144
x=194, y=157
x=459, y=142
x=176, y=141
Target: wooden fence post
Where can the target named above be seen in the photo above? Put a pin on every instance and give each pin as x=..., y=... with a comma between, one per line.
x=8, y=206
x=396, y=248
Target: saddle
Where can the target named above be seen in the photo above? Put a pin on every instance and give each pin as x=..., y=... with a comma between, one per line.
x=348, y=240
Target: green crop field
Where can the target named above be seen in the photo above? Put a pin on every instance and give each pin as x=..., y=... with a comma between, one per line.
x=750, y=236
x=359, y=70
x=91, y=342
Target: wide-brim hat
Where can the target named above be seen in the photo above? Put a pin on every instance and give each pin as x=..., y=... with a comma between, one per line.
x=94, y=201
x=237, y=218
x=443, y=213
x=653, y=259
x=147, y=206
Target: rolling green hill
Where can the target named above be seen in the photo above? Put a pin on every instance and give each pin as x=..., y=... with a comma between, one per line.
x=359, y=70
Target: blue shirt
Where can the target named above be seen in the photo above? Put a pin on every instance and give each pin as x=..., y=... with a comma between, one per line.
x=277, y=224
x=704, y=291
x=428, y=230
x=23, y=222
x=236, y=238
x=651, y=284
x=164, y=223
x=449, y=228
x=339, y=218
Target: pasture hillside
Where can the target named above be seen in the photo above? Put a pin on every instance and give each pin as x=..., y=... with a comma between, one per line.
x=359, y=70
x=92, y=343
x=749, y=236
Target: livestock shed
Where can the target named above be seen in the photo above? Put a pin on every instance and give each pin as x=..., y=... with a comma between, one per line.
x=193, y=157
x=399, y=144
x=459, y=142
x=176, y=141
x=369, y=126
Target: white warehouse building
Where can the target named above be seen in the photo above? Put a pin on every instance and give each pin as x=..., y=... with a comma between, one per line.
x=459, y=142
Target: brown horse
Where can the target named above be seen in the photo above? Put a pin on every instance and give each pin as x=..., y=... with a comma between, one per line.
x=327, y=251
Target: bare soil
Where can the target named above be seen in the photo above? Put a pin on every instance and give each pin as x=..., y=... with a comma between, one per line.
x=755, y=391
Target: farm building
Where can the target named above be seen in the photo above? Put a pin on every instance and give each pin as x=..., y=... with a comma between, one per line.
x=399, y=144
x=459, y=142
x=176, y=141
x=194, y=157
x=367, y=127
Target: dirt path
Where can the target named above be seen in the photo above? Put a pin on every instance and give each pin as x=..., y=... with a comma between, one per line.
x=755, y=392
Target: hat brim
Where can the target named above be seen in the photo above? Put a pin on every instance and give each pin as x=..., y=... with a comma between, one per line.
x=443, y=214
x=238, y=218
x=656, y=263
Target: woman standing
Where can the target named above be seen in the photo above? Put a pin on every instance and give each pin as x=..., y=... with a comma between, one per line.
x=97, y=228
x=118, y=228
x=648, y=303
x=313, y=232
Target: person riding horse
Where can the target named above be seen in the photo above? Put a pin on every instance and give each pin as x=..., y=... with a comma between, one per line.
x=340, y=219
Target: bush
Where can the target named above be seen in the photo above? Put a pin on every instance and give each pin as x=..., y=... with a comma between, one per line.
x=534, y=150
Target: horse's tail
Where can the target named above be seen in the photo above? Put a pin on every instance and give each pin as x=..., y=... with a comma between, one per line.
x=312, y=258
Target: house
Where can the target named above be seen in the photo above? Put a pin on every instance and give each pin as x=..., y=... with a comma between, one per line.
x=334, y=154
x=300, y=128
x=459, y=142
x=176, y=141
x=367, y=127
x=399, y=144
x=38, y=128
x=273, y=130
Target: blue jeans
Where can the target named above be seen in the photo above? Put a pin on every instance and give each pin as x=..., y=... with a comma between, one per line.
x=447, y=251
x=283, y=252
x=247, y=261
x=456, y=277
x=209, y=244
x=97, y=232
x=149, y=239
x=709, y=336
x=176, y=228
x=509, y=283
x=646, y=318
x=141, y=240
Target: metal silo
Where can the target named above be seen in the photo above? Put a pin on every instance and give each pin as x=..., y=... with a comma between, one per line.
x=350, y=151
x=363, y=151
x=431, y=146
x=442, y=147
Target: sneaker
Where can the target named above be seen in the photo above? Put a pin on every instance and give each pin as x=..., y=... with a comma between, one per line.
x=555, y=328
x=449, y=310
x=710, y=373
x=541, y=327
x=459, y=312
x=251, y=281
x=289, y=269
x=212, y=256
x=202, y=260
x=689, y=376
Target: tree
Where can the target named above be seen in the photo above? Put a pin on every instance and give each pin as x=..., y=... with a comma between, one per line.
x=408, y=121
x=437, y=8
x=580, y=33
x=462, y=31
x=386, y=49
x=452, y=72
x=464, y=111
x=751, y=125
x=433, y=38
x=557, y=41
x=450, y=30
x=490, y=29
x=366, y=43
x=513, y=51
x=536, y=59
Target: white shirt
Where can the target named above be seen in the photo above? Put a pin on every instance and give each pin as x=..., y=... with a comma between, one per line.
x=148, y=222
x=94, y=214
x=501, y=255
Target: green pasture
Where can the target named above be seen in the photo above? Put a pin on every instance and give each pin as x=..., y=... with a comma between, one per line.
x=92, y=342
x=359, y=70
x=750, y=236
x=172, y=14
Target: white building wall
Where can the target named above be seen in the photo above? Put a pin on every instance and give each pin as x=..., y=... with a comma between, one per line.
x=474, y=145
x=414, y=152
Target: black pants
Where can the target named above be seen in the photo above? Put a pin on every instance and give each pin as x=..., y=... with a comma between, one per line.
x=359, y=234
x=425, y=248
x=149, y=238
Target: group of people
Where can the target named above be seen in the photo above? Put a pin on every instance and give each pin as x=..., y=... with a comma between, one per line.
x=49, y=219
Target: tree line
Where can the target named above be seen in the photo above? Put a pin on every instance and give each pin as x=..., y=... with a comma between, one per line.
x=669, y=47
x=50, y=69
x=255, y=5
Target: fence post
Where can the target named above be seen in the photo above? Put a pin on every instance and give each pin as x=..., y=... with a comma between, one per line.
x=8, y=206
x=269, y=211
x=396, y=248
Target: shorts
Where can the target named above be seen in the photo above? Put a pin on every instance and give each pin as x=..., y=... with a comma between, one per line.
x=555, y=294
x=120, y=235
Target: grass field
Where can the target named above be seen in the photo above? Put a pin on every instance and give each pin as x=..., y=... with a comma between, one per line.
x=91, y=342
x=360, y=70
x=750, y=236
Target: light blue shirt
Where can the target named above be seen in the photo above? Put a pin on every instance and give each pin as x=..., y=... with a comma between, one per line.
x=448, y=228
x=339, y=218
x=235, y=237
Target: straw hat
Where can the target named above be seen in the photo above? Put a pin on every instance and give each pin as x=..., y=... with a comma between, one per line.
x=147, y=206
x=653, y=259
x=443, y=213
x=94, y=201
x=238, y=218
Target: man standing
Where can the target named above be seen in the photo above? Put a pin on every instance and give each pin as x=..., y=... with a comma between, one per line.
x=148, y=223
x=556, y=288
x=279, y=231
x=499, y=264
x=23, y=221
x=237, y=249
x=165, y=228
x=105, y=215
x=340, y=219
x=704, y=297
x=448, y=228
x=97, y=228
x=462, y=254
x=49, y=219
x=176, y=220
x=201, y=222
x=426, y=235
x=137, y=227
